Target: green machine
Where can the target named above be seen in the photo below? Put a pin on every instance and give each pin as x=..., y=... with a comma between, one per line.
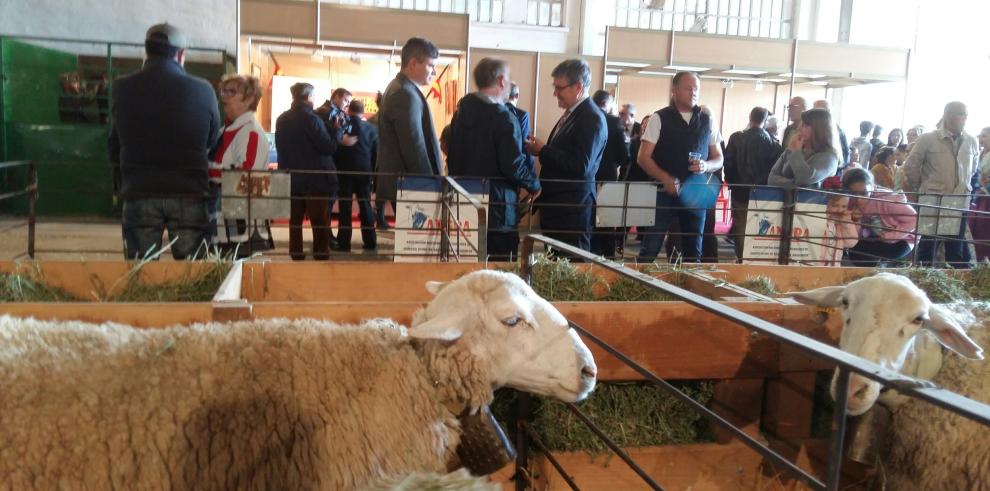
x=54, y=110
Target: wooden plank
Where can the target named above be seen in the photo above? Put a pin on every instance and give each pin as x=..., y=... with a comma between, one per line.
x=345, y=281
x=675, y=467
x=811, y=455
x=740, y=401
x=675, y=340
x=149, y=315
x=789, y=403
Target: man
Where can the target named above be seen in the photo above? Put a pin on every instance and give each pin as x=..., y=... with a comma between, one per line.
x=605, y=241
x=876, y=142
x=795, y=107
x=627, y=114
x=485, y=141
x=357, y=158
x=408, y=142
x=913, y=133
x=943, y=163
x=862, y=144
x=523, y=117
x=843, y=143
x=305, y=148
x=671, y=136
x=164, y=123
x=570, y=157
x=333, y=112
x=749, y=156
x=773, y=128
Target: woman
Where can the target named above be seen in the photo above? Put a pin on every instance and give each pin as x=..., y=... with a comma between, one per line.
x=895, y=137
x=979, y=223
x=884, y=168
x=841, y=232
x=242, y=146
x=885, y=220
x=811, y=156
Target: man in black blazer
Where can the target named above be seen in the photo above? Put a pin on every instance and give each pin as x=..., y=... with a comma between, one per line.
x=359, y=158
x=407, y=140
x=523, y=118
x=605, y=241
x=570, y=157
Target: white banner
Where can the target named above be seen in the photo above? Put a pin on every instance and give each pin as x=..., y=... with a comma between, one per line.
x=813, y=240
x=418, y=221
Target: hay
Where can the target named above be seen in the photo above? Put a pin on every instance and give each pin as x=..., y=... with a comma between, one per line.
x=558, y=280
x=29, y=285
x=760, y=284
x=189, y=288
x=940, y=286
x=635, y=414
x=626, y=289
x=978, y=281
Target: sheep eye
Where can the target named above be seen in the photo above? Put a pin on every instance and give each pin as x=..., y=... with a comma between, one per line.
x=919, y=320
x=845, y=303
x=511, y=321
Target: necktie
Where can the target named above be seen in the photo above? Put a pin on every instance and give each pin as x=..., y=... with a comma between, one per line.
x=560, y=123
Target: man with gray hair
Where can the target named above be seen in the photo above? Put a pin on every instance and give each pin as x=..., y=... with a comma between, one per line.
x=570, y=158
x=523, y=117
x=943, y=163
x=484, y=141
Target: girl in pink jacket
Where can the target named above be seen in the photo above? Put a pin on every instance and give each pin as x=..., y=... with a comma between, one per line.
x=885, y=220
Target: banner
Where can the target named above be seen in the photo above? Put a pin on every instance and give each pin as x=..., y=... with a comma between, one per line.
x=809, y=233
x=269, y=193
x=418, y=220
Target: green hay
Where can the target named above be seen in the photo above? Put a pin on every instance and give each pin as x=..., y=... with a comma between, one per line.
x=940, y=286
x=978, y=281
x=557, y=280
x=189, y=288
x=626, y=289
x=635, y=414
x=30, y=286
x=760, y=284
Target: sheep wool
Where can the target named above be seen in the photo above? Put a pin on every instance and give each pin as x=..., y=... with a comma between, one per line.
x=274, y=404
x=931, y=448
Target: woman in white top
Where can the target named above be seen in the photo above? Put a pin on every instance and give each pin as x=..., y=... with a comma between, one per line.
x=243, y=146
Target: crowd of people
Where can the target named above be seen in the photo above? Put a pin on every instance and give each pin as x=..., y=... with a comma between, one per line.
x=878, y=191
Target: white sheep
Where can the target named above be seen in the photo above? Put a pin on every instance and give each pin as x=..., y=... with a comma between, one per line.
x=887, y=320
x=273, y=404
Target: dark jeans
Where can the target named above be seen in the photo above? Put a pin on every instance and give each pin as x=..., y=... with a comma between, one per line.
x=360, y=186
x=315, y=207
x=692, y=224
x=739, y=216
x=503, y=246
x=869, y=253
x=956, y=251
x=709, y=241
x=186, y=219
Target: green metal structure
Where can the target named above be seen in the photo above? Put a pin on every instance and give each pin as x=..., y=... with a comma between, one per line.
x=66, y=135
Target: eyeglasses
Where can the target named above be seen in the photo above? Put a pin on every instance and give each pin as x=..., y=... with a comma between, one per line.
x=558, y=88
x=229, y=92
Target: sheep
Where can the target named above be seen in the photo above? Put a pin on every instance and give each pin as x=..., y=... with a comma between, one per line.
x=891, y=322
x=273, y=404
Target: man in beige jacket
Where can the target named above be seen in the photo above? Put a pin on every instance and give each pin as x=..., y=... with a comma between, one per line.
x=941, y=167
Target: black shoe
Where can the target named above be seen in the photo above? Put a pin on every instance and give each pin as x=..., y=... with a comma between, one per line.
x=333, y=243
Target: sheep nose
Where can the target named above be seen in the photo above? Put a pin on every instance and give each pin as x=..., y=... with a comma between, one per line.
x=589, y=372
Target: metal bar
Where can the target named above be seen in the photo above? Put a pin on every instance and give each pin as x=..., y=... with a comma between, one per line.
x=786, y=227
x=834, y=473
x=32, y=206
x=924, y=390
x=14, y=163
x=615, y=448
x=549, y=456
x=705, y=412
x=445, y=196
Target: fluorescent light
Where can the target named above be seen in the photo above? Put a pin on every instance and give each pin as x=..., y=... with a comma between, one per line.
x=820, y=82
x=816, y=75
x=796, y=75
x=773, y=80
x=611, y=79
x=613, y=69
x=655, y=73
x=628, y=64
x=687, y=68
x=740, y=71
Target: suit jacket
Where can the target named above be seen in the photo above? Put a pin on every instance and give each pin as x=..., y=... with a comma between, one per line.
x=616, y=153
x=523, y=118
x=574, y=153
x=303, y=144
x=407, y=141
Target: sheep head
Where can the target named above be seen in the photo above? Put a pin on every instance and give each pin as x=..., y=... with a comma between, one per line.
x=499, y=318
x=882, y=316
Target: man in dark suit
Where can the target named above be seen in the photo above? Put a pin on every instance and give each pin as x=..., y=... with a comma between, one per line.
x=408, y=142
x=485, y=142
x=605, y=241
x=570, y=157
x=164, y=122
x=359, y=157
x=523, y=117
x=303, y=144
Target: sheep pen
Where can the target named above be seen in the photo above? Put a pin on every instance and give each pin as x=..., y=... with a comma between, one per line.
x=293, y=404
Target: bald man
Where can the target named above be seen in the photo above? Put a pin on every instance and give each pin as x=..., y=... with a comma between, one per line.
x=843, y=143
x=943, y=162
x=795, y=107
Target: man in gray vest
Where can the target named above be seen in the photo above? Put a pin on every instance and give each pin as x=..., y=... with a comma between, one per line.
x=680, y=150
x=407, y=141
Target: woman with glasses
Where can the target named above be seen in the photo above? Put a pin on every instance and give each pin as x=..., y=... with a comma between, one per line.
x=242, y=146
x=811, y=155
x=885, y=220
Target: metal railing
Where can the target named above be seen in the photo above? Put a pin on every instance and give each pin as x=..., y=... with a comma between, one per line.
x=30, y=190
x=845, y=363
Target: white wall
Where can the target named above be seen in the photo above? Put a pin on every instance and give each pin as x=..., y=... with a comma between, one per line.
x=206, y=23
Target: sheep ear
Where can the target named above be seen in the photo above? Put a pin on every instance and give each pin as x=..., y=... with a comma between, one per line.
x=434, y=287
x=445, y=327
x=951, y=335
x=829, y=296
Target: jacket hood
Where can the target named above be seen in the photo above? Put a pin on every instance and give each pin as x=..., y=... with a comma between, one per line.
x=476, y=110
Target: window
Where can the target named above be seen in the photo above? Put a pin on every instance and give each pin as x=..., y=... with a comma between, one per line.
x=478, y=10
x=545, y=13
x=757, y=18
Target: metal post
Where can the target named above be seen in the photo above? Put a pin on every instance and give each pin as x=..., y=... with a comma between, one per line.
x=32, y=204
x=786, y=227
x=249, y=222
x=522, y=474
x=833, y=475
x=444, y=221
